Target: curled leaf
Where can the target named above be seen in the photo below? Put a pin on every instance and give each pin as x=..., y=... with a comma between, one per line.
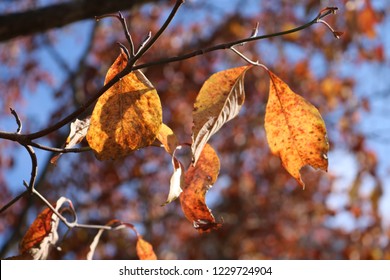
x=177, y=179
x=295, y=130
x=42, y=235
x=126, y=117
x=198, y=180
x=78, y=130
x=219, y=100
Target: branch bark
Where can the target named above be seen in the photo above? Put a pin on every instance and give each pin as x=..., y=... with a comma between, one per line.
x=55, y=16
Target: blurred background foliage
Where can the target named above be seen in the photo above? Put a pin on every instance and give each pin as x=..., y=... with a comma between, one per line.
x=342, y=214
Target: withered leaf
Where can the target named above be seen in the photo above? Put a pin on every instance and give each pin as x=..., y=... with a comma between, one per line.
x=295, y=130
x=127, y=117
x=42, y=235
x=219, y=100
x=78, y=130
x=198, y=180
x=177, y=179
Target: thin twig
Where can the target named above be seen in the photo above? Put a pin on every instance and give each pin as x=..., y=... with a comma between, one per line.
x=60, y=150
x=122, y=20
x=18, y=122
x=34, y=168
x=14, y=200
x=325, y=12
x=33, y=176
x=256, y=63
x=144, y=42
x=152, y=40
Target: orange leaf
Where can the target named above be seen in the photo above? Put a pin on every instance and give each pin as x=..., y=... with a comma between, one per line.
x=219, y=100
x=145, y=250
x=198, y=180
x=295, y=130
x=127, y=117
x=39, y=229
x=42, y=234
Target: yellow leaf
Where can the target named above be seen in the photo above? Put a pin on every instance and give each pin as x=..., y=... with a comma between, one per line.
x=167, y=138
x=219, y=100
x=127, y=117
x=295, y=130
x=145, y=250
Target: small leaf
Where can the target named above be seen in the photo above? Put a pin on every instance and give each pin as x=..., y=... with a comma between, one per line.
x=198, y=180
x=167, y=138
x=219, y=100
x=78, y=130
x=127, y=117
x=145, y=250
x=42, y=235
x=295, y=130
x=177, y=179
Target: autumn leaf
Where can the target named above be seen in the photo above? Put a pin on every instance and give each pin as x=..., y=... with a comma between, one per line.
x=78, y=130
x=198, y=180
x=169, y=141
x=167, y=138
x=295, y=130
x=42, y=235
x=177, y=179
x=126, y=117
x=219, y=100
x=145, y=250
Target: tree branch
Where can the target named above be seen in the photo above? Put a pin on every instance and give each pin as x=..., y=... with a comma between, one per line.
x=59, y=15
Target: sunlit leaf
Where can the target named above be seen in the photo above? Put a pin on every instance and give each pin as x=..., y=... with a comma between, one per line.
x=145, y=250
x=167, y=138
x=177, y=179
x=78, y=130
x=42, y=235
x=198, y=180
x=219, y=100
x=295, y=130
x=127, y=117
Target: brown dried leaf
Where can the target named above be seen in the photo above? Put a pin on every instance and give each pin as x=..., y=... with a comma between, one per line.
x=42, y=235
x=295, y=130
x=219, y=100
x=127, y=117
x=145, y=250
x=198, y=180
